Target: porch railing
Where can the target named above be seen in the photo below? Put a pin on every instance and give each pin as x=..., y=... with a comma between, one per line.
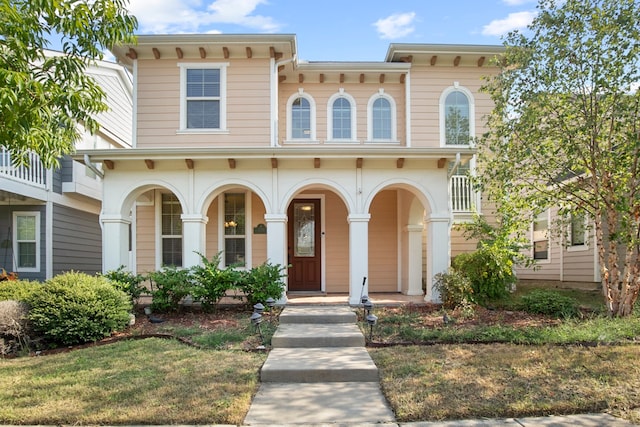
x=34, y=173
x=462, y=195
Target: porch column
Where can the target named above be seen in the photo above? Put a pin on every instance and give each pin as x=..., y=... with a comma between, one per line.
x=358, y=256
x=193, y=238
x=438, y=252
x=414, y=261
x=115, y=242
x=276, y=244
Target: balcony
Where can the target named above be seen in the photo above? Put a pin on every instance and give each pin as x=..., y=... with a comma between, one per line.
x=35, y=174
x=463, y=198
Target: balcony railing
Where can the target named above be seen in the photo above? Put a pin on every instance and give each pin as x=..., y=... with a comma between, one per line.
x=462, y=195
x=34, y=174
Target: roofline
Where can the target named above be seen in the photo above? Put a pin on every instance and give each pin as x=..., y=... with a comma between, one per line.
x=420, y=48
x=373, y=66
x=172, y=39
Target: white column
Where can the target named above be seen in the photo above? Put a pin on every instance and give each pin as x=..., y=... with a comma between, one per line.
x=358, y=255
x=438, y=251
x=277, y=244
x=414, y=264
x=193, y=238
x=115, y=242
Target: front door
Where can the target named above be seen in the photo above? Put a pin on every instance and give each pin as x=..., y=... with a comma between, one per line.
x=304, y=245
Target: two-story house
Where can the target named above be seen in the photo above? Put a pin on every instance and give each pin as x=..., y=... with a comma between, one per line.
x=342, y=170
x=49, y=218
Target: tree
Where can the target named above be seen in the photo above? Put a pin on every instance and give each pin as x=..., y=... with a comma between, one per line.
x=44, y=97
x=565, y=129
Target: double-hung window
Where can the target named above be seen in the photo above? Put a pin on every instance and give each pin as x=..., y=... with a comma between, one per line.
x=26, y=237
x=541, y=236
x=171, y=230
x=578, y=235
x=203, y=97
x=235, y=229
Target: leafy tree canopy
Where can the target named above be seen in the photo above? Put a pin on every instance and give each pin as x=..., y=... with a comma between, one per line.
x=43, y=97
x=565, y=129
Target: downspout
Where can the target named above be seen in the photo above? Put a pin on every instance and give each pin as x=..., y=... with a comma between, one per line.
x=93, y=167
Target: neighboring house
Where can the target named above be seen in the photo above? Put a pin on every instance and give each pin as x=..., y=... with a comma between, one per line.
x=49, y=218
x=346, y=171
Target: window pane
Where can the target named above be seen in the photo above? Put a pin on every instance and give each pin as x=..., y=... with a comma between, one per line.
x=203, y=114
x=26, y=227
x=341, y=119
x=234, y=215
x=577, y=230
x=172, y=251
x=27, y=254
x=301, y=119
x=234, y=251
x=304, y=229
x=541, y=236
x=171, y=212
x=204, y=82
x=540, y=250
x=381, y=119
x=457, y=118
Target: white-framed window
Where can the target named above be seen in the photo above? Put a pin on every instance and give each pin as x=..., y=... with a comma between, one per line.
x=235, y=221
x=540, y=237
x=341, y=114
x=577, y=234
x=301, y=117
x=26, y=241
x=170, y=230
x=203, y=97
x=457, y=112
x=381, y=118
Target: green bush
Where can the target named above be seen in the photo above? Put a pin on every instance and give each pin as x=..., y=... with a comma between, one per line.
x=19, y=290
x=74, y=308
x=455, y=289
x=127, y=282
x=211, y=283
x=490, y=270
x=263, y=282
x=546, y=301
x=168, y=287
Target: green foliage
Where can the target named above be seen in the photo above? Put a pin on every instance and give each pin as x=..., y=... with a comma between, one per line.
x=262, y=282
x=43, y=98
x=210, y=282
x=455, y=289
x=74, y=308
x=168, y=287
x=545, y=301
x=490, y=271
x=19, y=290
x=127, y=282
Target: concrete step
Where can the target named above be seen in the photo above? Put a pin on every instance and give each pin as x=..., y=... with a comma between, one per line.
x=322, y=364
x=317, y=335
x=318, y=314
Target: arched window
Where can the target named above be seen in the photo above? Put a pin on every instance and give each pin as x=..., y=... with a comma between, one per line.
x=456, y=116
x=341, y=113
x=301, y=117
x=382, y=118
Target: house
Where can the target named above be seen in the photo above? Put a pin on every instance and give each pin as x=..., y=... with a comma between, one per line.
x=348, y=172
x=49, y=218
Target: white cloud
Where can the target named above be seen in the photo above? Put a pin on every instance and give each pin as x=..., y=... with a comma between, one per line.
x=396, y=25
x=514, y=21
x=515, y=2
x=180, y=16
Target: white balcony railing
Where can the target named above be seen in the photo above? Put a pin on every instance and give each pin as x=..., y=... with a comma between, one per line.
x=462, y=195
x=34, y=174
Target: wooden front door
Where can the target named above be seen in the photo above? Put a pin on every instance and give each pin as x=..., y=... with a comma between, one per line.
x=304, y=245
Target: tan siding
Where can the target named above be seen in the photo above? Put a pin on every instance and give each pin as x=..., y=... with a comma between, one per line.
x=258, y=241
x=460, y=244
x=145, y=239
x=383, y=243
x=578, y=265
x=336, y=241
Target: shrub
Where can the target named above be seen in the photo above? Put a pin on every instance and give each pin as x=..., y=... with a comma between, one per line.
x=545, y=301
x=168, y=287
x=127, y=282
x=211, y=283
x=455, y=289
x=74, y=308
x=14, y=326
x=18, y=290
x=263, y=282
x=490, y=270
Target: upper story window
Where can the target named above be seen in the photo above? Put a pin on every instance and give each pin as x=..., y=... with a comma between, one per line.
x=301, y=117
x=381, y=118
x=203, y=97
x=341, y=113
x=456, y=116
x=26, y=240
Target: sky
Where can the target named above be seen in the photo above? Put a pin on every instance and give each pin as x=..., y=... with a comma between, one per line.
x=341, y=30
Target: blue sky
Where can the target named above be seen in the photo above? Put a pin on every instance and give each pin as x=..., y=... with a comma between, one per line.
x=341, y=30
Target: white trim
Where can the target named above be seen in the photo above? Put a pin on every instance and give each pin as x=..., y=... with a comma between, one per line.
x=442, y=113
x=394, y=118
x=354, y=130
x=35, y=214
x=48, y=253
x=407, y=107
x=312, y=119
x=184, y=66
x=248, y=235
x=134, y=123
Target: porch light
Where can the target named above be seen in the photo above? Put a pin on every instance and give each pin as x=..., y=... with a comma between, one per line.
x=270, y=302
x=364, y=298
x=372, y=319
x=256, y=320
x=368, y=306
x=258, y=308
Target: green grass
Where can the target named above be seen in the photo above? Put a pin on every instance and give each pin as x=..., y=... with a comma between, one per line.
x=150, y=381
